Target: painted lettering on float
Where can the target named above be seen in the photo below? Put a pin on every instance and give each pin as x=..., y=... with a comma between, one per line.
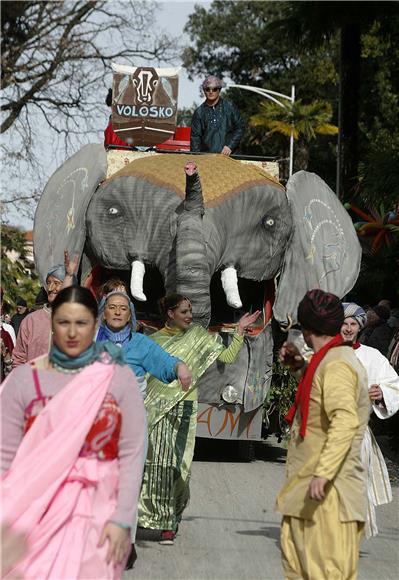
x=153, y=112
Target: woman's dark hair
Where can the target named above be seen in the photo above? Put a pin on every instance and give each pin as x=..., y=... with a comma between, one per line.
x=170, y=302
x=76, y=294
x=108, y=98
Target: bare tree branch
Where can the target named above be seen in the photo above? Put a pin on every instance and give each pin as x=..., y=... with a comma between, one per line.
x=56, y=59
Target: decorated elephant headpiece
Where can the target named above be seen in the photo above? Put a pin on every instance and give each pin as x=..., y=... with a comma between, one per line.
x=229, y=217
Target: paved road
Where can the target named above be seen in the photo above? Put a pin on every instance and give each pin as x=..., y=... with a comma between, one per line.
x=230, y=530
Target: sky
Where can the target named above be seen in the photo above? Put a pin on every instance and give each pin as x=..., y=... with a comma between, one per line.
x=172, y=16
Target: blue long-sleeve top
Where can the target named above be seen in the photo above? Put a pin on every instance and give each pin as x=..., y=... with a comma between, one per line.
x=143, y=355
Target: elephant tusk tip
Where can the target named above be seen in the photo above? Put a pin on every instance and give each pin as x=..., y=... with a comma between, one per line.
x=235, y=303
x=139, y=296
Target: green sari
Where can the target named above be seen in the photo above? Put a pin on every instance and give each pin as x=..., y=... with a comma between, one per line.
x=198, y=349
x=172, y=423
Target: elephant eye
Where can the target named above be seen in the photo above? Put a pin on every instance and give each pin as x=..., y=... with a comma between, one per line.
x=267, y=222
x=113, y=211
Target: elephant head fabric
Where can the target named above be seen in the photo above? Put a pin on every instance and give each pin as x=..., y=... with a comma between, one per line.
x=229, y=217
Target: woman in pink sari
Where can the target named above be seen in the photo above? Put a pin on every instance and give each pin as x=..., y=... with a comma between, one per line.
x=72, y=451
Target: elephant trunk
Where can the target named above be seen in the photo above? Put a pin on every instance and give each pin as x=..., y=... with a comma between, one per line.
x=192, y=270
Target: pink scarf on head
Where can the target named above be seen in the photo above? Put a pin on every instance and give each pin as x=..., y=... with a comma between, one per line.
x=56, y=497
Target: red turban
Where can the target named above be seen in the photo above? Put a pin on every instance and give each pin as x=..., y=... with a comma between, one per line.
x=321, y=312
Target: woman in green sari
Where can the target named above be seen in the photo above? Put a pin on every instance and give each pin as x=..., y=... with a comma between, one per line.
x=172, y=414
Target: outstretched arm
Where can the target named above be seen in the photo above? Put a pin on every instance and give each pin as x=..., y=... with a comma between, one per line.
x=71, y=267
x=229, y=354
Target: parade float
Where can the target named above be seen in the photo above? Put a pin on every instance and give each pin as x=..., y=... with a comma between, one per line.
x=232, y=241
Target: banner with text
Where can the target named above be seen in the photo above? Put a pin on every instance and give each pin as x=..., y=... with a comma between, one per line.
x=144, y=104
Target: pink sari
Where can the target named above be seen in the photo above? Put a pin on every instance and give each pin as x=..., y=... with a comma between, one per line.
x=60, y=500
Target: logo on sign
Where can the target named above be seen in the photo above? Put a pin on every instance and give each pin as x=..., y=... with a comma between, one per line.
x=145, y=80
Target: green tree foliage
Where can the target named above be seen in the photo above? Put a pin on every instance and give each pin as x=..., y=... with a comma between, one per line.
x=305, y=121
x=235, y=40
x=279, y=400
x=17, y=276
x=312, y=45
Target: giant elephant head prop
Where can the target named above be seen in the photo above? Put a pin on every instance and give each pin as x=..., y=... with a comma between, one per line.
x=229, y=217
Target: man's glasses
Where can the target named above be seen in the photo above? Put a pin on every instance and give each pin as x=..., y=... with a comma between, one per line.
x=212, y=89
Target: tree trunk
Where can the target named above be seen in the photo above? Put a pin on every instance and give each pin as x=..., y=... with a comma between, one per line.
x=349, y=109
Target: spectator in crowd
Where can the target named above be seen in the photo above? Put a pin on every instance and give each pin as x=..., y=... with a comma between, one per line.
x=386, y=303
x=4, y=319
x=393, y=350
x=377, y=332
x=34, y=335
x=22, y=311
x=216, y=126
x=7, y=347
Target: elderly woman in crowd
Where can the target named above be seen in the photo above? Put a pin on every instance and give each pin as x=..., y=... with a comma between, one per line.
x=143, y=355
x=74, y=436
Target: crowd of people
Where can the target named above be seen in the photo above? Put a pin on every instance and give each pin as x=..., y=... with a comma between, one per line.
x=81, y=373
x=99, y=419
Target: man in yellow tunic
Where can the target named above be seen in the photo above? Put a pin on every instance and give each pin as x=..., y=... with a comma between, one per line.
x=323, y=501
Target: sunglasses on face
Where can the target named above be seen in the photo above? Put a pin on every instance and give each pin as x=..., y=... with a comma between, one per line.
x=211, y=89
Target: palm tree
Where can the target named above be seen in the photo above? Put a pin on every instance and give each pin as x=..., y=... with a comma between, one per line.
x=305, y=121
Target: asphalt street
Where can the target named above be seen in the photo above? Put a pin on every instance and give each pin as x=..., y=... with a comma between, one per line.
x=231, y=531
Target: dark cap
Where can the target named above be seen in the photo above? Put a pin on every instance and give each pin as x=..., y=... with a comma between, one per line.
x=321, y=312
x=21, y=302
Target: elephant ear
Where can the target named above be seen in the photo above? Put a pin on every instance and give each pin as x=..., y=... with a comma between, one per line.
x=323, y=251
x=60, y=215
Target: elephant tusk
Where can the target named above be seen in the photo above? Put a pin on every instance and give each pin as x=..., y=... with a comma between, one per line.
x=230, y=287
x=136, y=280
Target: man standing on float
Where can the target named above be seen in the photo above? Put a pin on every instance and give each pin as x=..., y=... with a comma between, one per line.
x=216, y=126
x=323, y=499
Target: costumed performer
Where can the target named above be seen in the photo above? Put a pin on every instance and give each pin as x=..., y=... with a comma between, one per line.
x=383, y=385
x=72, y=450
x=323, y=501
x=172, y=414
x=141, y=353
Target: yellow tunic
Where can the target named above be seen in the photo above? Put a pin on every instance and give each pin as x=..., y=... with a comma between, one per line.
x=338, y=416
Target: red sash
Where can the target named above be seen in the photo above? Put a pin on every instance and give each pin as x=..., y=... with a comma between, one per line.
x=302, y=398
